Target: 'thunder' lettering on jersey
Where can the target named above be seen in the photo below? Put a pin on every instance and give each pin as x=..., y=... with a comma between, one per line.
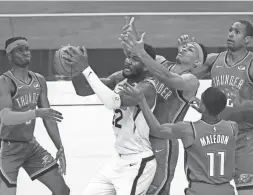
x=162, y=90
x=27, y=99
x=228, y=80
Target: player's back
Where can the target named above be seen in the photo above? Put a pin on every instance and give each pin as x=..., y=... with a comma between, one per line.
x=24, y=98
x=130, y=128
x=210, y=159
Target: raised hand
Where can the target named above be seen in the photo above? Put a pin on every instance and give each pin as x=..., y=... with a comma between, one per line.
x=49, y=114
x=129, y=27
x=132, y=45
x=77, y=57
x=183, y=40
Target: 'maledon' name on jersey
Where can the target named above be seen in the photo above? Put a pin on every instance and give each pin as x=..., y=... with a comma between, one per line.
x=214, y=139
x=229, y=80
x=24, y=100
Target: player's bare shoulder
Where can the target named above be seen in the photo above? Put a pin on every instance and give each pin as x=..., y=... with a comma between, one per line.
x=41, y=79
x=251, y=68
x=192, y=83
x=6, y=84
x=147, y=86
x=235, y=127
x=210, y=59
x=114, y=79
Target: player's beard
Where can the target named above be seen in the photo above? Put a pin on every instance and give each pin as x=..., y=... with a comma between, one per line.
x=131, y=76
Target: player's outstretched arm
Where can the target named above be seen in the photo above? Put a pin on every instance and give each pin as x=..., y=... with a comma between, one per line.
x=83, y=88
x=114, y=100
x=179, y=82
x=9, y=117
x=108, y=97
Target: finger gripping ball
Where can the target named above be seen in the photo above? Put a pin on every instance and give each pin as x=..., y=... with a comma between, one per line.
x=61, y=66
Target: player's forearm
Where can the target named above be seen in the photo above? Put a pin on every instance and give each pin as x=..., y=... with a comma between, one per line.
x=170, y=79
x=53, y=133
x=81, y=86
x=108, y=97
x=9, y=117
x=151, y=120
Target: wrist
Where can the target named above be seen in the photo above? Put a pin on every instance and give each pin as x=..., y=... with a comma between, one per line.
x=142, y=53
x=60, y=147
x=35, y=112
x=142, y=99
x=87, y=71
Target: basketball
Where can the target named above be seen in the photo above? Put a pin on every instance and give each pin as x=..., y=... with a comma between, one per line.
x=60, y=65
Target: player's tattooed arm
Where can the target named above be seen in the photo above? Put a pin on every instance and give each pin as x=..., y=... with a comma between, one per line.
x=204, y=71
x=43, y=102
x=83, y=88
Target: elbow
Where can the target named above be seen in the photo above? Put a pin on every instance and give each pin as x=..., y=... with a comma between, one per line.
x=83, y=93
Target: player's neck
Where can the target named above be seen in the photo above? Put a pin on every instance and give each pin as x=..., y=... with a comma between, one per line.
x=236, y=56
x=210, y=119
x=20, y=73
x=180, y=68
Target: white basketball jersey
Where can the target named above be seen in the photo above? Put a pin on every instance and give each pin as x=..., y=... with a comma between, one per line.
x=130, y=127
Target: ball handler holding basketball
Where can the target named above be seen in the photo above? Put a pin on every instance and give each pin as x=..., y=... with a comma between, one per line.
x=22, y=90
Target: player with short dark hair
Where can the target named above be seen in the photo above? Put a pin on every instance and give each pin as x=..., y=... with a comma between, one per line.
x=22, y=90
x=209, y=142
x=232, y=72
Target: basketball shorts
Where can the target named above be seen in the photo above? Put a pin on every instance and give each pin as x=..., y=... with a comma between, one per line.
x=124, y=175
x=166, y=153
x=198, y=188
x=244, y=161
x=30, y=155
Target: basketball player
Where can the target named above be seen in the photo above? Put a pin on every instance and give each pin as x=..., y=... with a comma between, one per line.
x=209, y=143
x=175, y=86
x=22, y=90
x=134, y=168
x=232, y=72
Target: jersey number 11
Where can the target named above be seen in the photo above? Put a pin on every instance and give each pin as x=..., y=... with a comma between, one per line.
x=212, y=159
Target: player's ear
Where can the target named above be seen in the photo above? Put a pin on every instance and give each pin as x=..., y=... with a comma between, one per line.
x=247, y=39
x=196, y=63
x=9, y=56
x=202, y=107
x=145, y=68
